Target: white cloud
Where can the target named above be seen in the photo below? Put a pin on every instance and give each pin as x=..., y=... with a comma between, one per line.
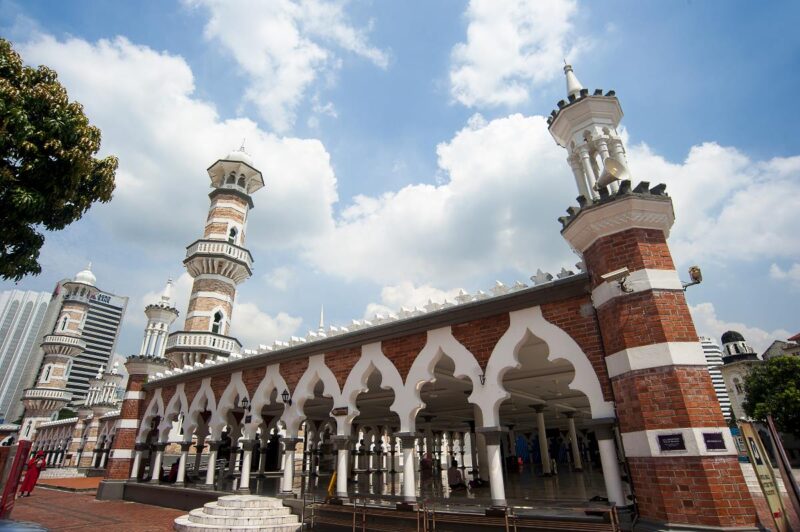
x=504, y=183
x=408, y=295
x=283, y=45
x=728, y=207
x=512, y=47
x=253, y=327
x=279, y=278
x=709, y=324
x=791, y=274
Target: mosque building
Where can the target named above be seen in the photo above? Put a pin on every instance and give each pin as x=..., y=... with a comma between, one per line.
x=596, y=377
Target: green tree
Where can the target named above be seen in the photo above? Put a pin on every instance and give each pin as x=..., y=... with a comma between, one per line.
x=774, y=388
x=48, y=175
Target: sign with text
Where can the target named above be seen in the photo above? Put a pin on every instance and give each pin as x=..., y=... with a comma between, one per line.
x=671, y=442
x=714, y=441
x=766, y=477
x=341, y=411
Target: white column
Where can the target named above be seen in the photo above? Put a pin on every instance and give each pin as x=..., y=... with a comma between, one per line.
x=580, y=178
x=198, y=458
x=573, y=440
x=587, y=168
x=342, y=467
x=618, y=150
x=147, y=342
x=155, y=473
x=181, y=478
x=610, y=465
x=409, y=474
x=544, y=450
x=213, y=447
x=247, y=459
x=495, y=462
x=288, y=464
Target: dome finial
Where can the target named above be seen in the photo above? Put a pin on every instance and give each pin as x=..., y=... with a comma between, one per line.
x=321, y=318
x=574, y=86
x=166, y=295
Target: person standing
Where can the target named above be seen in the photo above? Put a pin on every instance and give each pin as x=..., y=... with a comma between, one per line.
x=36, y=465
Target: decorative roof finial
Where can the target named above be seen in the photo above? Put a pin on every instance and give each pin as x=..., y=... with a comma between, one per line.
x=166, y=295
x=573, y=85
x=100, y=371
x=241, y=148
x=321, y=318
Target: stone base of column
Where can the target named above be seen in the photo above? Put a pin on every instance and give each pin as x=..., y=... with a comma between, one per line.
x=110, y=490
x=646, y=525
x=498, y=509
x=243, y=491
x=286, y=495
x=405, y=506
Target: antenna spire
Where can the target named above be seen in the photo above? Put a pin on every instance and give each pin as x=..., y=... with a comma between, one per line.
x=321, y=318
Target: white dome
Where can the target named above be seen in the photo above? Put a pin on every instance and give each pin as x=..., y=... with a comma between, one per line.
x=86, y=276
x=240, y=156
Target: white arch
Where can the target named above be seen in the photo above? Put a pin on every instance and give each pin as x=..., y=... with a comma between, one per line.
x=176, y=405
x=154, y=409
x=560, y=346
x=316, y=371
x=235, y=388
x=273, y=380
x=203, y=400
x=373, y=359
x=440, y=342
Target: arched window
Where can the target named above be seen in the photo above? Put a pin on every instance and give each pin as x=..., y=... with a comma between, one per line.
x=216, y=325
x=737, y=384
x=736, y=348
x=47, y=374
x=64, y=323
x=232, y=234
x=231, y=180
x=241, y=182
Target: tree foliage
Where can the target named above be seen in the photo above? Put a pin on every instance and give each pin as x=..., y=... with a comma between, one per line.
x=48, y=174
x=774, y=388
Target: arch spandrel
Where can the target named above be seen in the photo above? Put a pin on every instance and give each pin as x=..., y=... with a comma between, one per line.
x=204, y=400
x=373, y=359
x=228, y=400
x=155, y=408
x=176, y=404
x=273, y=381
x=317, y=371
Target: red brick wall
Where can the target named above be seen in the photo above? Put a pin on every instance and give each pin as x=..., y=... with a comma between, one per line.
x=635, y=248
x=646, y=318
x=403, y=350
x=707, y=491
x=252, y=378
x=218, y=385
x=292, y=371
x=585, y=330
x=666, y=397
x=190, y=389
x=341, y=362
x=480, y=336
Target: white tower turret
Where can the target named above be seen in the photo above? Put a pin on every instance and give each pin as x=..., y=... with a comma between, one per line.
x=160, y=317
x=586, y=125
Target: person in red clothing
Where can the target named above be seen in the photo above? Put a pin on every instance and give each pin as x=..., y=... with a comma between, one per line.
x=35, y=466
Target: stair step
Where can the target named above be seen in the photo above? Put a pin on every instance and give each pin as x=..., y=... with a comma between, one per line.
x=249, y=501
x=198, y=516
x=213, y=508
x=183, y=524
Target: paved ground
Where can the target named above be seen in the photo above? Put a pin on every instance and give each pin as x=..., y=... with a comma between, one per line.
x=72, y=484
x=60, y=510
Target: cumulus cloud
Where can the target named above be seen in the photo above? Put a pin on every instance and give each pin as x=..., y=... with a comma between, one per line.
x=283, y=46
x=253, y=327
x=709, y=324
x=503, y=185
x=791, y=274
x=726, y=204
x=512, y=47
x=408, y=295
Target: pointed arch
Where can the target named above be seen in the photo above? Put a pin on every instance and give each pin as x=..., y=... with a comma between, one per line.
x=373, y=359
x=227, y=400
x=177, y=404
x=304, y=390
x=154, y=409
x=203, y=401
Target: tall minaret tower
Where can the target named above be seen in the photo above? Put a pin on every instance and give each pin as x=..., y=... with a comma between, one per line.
x=50, y=394
x=677, y=445
x=586, y=125
x=218, y=262
x=160, y=316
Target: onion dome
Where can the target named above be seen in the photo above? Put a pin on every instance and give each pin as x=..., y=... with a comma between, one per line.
x=732, y=336
x=86, y=276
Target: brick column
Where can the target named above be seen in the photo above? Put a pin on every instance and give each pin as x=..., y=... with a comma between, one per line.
x=88, y=456
x=131, y=411
x=664, y=397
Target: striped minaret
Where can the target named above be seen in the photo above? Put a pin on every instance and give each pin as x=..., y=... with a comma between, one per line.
x=218, y=262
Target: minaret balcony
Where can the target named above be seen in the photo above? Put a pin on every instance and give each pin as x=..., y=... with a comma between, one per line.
x=186, y=348
x=62, y=344
x=40, y=401
x=220, y=258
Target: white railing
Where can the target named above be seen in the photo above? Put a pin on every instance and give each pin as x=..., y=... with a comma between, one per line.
x=216, y=247
x=47, y=393
x=203, y=340
x=63, y=339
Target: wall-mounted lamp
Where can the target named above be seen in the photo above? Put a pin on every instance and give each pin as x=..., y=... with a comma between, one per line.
x=618, y=276
x=287, y=399
x=696, y=276
x=245, y=404
x=482, y=377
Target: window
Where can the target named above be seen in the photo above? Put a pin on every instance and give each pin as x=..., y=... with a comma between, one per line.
x=64, y=324
x=232, y=234
x=231, y=180
x=241, y=182
x=46, y=374
x=738, y=385
x=216, y=325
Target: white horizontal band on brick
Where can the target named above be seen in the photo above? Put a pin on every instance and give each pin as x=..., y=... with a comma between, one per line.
x=211, y=295
x=655, y=356
x=644, y=443
x=215, y=277
x=121, y=453
x=128, y=424
x=637, y=281
x=136, y=396
x=229, y=205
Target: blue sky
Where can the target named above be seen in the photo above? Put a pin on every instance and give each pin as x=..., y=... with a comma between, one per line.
x=404, y=148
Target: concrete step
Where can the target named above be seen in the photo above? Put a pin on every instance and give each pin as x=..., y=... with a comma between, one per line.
x=213, y=508
x=183, y=524
x=199, y=516
x=249, y=501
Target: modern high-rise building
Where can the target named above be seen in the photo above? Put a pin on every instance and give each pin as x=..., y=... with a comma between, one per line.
x=100, y=332
x=713, y=355
x=22, y=315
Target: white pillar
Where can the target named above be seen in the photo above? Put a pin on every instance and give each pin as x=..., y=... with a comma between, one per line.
x=409, y=474
x=573, y=440
x=610, y=465
x=155, y=473
x=288, y=464
x=544, y=450
x=181, y=478
x=198, y=458
x=247, y=459
x=492, y=436
x=213, y=447
x=580, y=178
x=342, y=467
x=583, y=151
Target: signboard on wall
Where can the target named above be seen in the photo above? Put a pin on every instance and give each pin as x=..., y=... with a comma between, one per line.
x=766, y=477
x=671, y=442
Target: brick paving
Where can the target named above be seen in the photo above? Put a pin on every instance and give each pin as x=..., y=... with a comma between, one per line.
x=59, y=510
x=72, y=484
